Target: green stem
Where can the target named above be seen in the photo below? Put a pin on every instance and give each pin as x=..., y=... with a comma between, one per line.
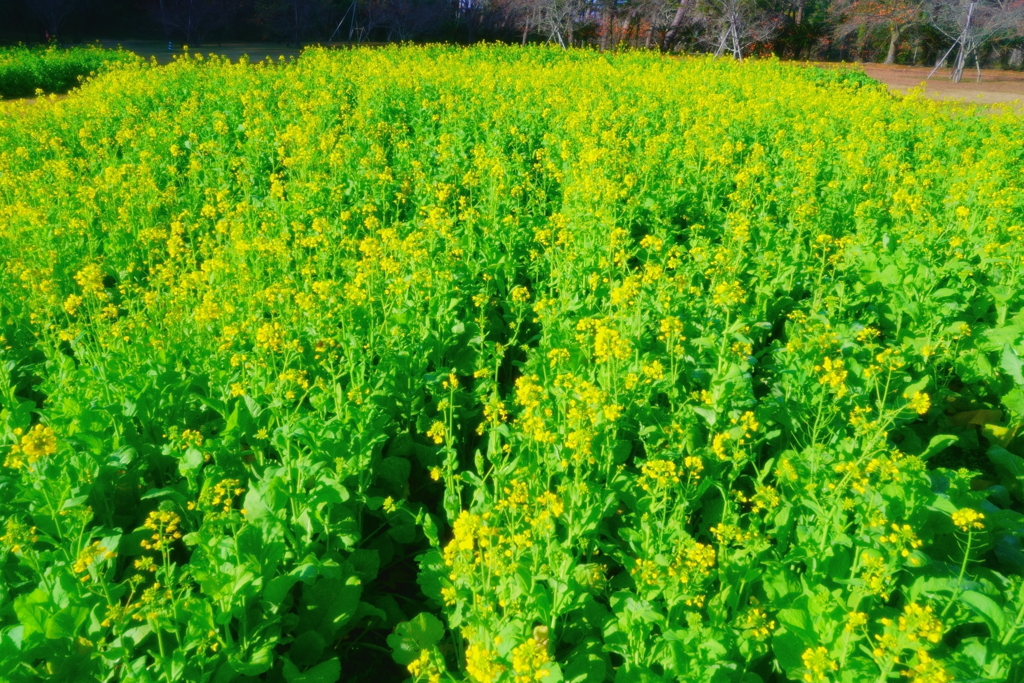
x=959, y=579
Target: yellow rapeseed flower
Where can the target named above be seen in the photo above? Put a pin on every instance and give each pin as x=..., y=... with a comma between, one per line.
x=967, y=519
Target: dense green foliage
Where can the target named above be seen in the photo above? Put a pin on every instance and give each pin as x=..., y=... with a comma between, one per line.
x=848, y=75
x=25, y=70
x=509, y=365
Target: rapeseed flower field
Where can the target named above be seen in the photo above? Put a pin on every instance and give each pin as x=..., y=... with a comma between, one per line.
x=509, y=365
x=24, y=71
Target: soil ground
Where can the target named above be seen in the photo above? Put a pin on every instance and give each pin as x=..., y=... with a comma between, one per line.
x=996, y=87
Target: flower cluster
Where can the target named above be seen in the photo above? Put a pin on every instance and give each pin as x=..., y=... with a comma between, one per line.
x=165, y=527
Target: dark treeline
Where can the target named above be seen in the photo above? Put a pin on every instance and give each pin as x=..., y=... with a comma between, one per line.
x=959, y=33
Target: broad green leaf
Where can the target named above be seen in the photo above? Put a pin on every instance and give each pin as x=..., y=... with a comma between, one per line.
x=709, y=415
x=278, y=587
x=586, y=663
x=937, y=444
x=914, y=387
x=633, y=673
x=192, y=460
x=788, y=648
x=432, y=572
x=254, y=664
x=1010, y=466
x=988, y=610
x=255, y=508
x=366, y=562
x=65, y=623
x=1014, y=402
x=421, y=632
x=231, y=424
x=328, y=604
x=798, y=621
x=1011, y=363
x=395, y=471
x=30, y=611
x=324, y=672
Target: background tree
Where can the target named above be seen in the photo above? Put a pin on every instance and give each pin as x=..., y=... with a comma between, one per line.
x=804, y=25
x=912, y=31
x=191, y=21
x=557, y=19
x=972, y=25
x=892, y=18
x=683, y=17
x=52, y=13
x=734, y=25
x=502, y=20
x=299, y=21
x=405, y=19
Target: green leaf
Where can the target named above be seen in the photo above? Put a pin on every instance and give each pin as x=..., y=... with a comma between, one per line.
x=1003, y=294
x=395, y=471
x=403, y=533
x=231, y=424
x=858, y=670
x=1014, y=402
x=788, y=648
x=255, y=508
x=192, y=460
x=65, y=623
x=779, y=582
x=1009, y=466
x=586, y=663
x=919, y=385
x=708, y=415
x=278, y=587
x=328, y=604
x=421, y=632
x=30, y=611
x=260, y=661
x=325, y=672
x=366, y=562
x=1011, y=363
x=798, y=621
x=633, y=673
x=942, y=503
x=937, y=444
x=987, y=609
x=432, y=572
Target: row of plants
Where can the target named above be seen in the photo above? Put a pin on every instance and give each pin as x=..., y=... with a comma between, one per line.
x=500, y=364
x=28, y=71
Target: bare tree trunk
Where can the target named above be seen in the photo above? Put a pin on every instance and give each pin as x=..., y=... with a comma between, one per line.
x=962, y=53
x=799, y=18
x=721, y=43
x=163, y=20
x=894, y=39
x=677, y=21
x=958, y=66
x=1016, y=59
x=609, y=26
x=941, y=60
